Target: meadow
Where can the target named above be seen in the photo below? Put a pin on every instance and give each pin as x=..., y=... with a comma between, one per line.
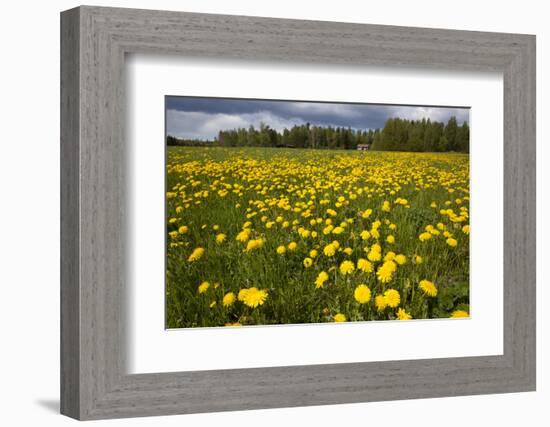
x=259, y=236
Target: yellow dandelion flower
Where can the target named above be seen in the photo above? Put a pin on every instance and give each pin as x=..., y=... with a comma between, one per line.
x=362, y=294
x=347, y=267
x=254, y=244
x=385, y=271
x=242, y=294
x=313, y=253
x=400, y=259
x=292, y=246
x=452, y=242
x=173, y=234
x=183, y=229
x=389, y=256
x=459, y=313
x=220, y=238
x=390, y=239
x=364, y=265
x=337, y=230
x=328, y=229
x=243, y=236
x=196, y=255
x=339, y=318
x=203, y=287
x=428, y=288
x=348, y=251
x=308, y=262
x=392, y=298
x=418, y=259
x=329, y=250
x=228, y=299
x=281, y=250
x=425, y=236
x=303, y=232
x=403, y=315
x=254, y=297
x=374, y=255
x=380, y=302
x=366, y=213
x=365, y=235
x=466, y=229
x=321, y=279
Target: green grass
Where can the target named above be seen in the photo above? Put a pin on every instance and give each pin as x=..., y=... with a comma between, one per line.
x=310, y=182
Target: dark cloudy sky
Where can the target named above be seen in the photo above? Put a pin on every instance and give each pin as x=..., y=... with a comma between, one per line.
x=203, y=118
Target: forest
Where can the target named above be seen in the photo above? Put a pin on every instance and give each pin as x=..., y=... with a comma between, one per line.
x=396, y=135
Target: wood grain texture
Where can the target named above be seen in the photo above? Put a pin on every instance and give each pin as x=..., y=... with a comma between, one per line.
x=70, y=297
x=94, y=382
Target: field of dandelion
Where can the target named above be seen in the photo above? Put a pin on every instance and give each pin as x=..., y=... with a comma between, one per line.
x=259, y=236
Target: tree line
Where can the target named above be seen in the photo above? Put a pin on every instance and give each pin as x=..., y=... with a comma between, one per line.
x=423, y=135
x=396, y=135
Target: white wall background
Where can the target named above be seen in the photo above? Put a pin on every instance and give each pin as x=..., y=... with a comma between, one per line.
x=29, y=212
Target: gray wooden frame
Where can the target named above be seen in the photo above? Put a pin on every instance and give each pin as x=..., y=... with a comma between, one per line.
x=94, y=41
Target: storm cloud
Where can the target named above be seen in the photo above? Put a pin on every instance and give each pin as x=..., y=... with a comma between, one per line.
x=203, y=118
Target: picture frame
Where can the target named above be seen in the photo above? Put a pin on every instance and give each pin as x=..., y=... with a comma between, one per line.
x=94, y=380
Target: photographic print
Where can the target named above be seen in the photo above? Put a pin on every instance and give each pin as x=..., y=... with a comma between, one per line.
x=292, y=212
